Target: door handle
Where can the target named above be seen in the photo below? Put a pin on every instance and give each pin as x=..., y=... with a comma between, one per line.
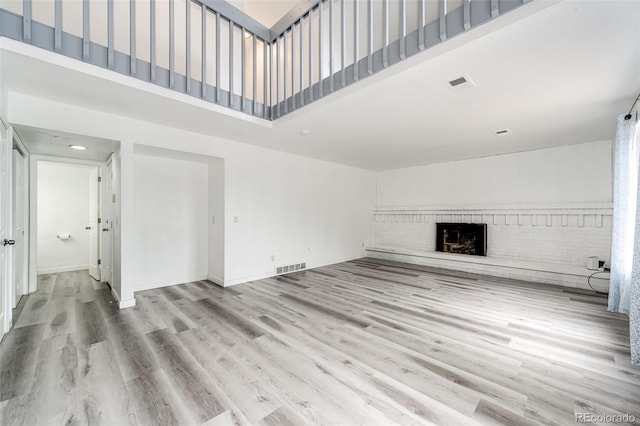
x=87, y=227
x=9, y=242
x=105, y=229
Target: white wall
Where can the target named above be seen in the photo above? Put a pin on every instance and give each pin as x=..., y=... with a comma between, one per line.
x=290, y=207
x=170, y=221
x=565, y=175
x=116, y=279
x=63, y=207
x=294, y=209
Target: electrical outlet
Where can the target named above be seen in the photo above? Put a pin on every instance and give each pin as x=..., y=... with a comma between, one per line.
x=273, y=258
x=235, y=219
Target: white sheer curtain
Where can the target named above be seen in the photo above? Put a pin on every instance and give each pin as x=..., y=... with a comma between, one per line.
x=624, y=291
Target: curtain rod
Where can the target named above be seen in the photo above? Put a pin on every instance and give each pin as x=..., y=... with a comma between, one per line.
x=628, y=116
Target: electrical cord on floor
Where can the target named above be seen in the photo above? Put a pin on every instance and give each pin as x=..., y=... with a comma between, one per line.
x=605, y=271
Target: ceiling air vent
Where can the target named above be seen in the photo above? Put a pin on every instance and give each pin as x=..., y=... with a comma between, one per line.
x=458, y=81
x=462, y=82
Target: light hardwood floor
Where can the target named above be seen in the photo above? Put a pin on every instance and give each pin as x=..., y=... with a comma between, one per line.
x=363, y=342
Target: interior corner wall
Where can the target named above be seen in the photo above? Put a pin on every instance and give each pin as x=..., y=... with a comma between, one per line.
x=216, y=220
x=546, y=211
x=283, y=209
x=170, y=221
x=63, y=208
x=279, y=208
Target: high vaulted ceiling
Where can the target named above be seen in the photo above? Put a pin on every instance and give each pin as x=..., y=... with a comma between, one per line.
x=267, y=12
x=552, y=73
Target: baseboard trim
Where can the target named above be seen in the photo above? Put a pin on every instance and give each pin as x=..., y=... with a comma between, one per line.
x=264, y=275
x=216, y=280
x=121, y=304
x=129, y=303
x=57, y=270
x=151, y=286
x=247, y=279
x=537, y=272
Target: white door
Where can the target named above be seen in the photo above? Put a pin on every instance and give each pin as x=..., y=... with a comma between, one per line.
x=106, y=213
x=4, y=283
x=94, y=225
x=19, y=256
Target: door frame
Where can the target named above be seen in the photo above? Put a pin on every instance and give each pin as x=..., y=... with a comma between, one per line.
x=6, y=284
x=95, y=223
x=33, y=206
x=107, y=203
x=19, y=145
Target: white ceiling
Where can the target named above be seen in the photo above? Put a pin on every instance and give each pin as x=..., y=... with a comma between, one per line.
x=267, y=12
x=553, y=74
x=54, y=143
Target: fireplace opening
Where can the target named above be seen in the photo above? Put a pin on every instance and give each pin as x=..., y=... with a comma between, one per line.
x=462, y=238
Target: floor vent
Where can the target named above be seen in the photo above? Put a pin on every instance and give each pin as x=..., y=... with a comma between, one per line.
x=290, y=268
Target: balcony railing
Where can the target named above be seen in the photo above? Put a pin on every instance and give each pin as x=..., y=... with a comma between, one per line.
x=210, y=50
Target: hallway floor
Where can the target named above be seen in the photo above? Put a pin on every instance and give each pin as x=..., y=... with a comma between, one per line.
x=361, y=342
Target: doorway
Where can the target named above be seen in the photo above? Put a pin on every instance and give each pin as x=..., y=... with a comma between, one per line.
x=68, y=235
x=22, y=148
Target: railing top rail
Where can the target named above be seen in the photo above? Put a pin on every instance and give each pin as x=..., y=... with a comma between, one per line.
x=229, y=11
x=297, y=12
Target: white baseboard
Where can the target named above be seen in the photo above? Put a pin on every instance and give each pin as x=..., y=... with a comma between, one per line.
x=160, y=284
x=540, y=272
x=59, y=269
x=264, y=275
x=122, y=304
x=248, y=278
x=216, y=280
x=129, y=303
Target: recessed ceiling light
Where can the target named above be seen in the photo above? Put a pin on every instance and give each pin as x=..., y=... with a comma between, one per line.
x=304, y=133
x=502, y=132
x=78, y=147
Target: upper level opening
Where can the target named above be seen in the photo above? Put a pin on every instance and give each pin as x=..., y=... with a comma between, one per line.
x=218, y=52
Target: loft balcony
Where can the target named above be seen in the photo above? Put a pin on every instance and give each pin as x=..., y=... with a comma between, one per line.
x=212, y=51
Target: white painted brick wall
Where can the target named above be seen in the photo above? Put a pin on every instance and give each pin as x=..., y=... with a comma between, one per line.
x=566, y=236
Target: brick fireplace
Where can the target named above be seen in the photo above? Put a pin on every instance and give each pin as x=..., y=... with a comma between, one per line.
x=462, y=238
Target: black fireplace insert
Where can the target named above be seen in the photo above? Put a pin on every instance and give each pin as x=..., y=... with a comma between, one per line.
x=462, y=238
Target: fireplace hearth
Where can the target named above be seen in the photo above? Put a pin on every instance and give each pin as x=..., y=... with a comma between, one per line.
x=462, y=238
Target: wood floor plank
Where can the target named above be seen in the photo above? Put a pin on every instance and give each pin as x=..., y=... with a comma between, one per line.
x=156, y=402
x=135, y=358
x=187, y=377
x=18, y=357
x=362, y=342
